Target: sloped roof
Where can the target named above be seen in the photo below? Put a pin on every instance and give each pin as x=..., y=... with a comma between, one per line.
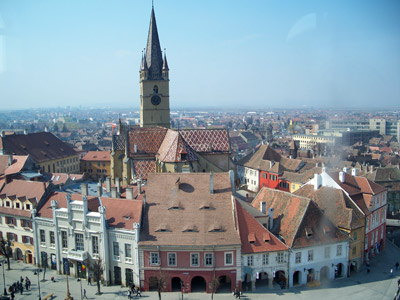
x=207, y=140
x=147, y=140
x=176, y=202
x=97, y=156
x=41, y=146
x=301, y=177
x=385, y=175
x=249, y=225
x=335, y=204
x=18, y=162
x=32, y=190
x=120, y=213
x=143, y=167
x=173, y=146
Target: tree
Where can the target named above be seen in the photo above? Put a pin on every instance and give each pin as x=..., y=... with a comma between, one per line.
x=96, y=268
x=214, y=286
x=6, y=251
x=158, y=282
x=44, y=264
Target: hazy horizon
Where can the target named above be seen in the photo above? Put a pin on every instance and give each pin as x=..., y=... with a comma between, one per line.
x=270, y=54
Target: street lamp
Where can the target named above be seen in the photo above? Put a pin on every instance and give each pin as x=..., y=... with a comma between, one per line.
x=80, y=281
x=4, y=277
x=36, y=272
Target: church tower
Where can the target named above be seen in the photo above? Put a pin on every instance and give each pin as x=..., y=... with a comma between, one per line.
x=154, y=82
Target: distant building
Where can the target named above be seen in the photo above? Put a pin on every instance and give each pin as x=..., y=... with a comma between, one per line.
x=48, y=152
x=97, y=164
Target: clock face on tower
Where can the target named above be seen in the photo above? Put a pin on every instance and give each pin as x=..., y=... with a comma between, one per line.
x=155, y=100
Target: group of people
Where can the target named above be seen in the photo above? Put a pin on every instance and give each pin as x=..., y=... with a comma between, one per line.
x=134, y=290
x=19, y=286
x=236, y=293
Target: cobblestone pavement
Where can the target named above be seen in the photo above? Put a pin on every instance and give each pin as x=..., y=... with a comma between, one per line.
x=362, y=285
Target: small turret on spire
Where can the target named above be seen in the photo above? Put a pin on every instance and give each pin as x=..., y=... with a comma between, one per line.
x=165, y=63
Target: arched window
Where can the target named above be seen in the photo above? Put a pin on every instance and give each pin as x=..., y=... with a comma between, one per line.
x=155, y=89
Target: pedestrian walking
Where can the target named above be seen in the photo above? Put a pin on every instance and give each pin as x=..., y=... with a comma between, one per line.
x=138, y=293
x=88, y=280
x=26, y=285
x=368, y=267
x=84, y=294
x=397, y=265
x=129, y=295
x=12, y=295
x=22, y=280
x=21, y=288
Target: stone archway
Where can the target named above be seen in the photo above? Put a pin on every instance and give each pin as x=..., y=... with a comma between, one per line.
x=246, y=284
x=262, y=280
x=198, y=284
x=280, y=278
x=176, y=284
x=339, y=270
x=297, y=278
x=28, y=257
x=18, y=255
x=324, y=273
x=310, y=275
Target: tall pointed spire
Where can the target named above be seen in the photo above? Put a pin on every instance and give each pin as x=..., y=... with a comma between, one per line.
x=165, y=63
x=153, y=55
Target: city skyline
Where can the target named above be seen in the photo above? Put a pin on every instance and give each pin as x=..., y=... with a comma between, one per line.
x=267, y=55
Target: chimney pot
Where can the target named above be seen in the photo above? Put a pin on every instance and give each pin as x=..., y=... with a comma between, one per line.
x=341, y=176
x=129, y=193
x=108, y=185
x=118, y=184
x=114, y=192
x=270, y=218
x=139, y=185
x=84, y=189
x=211, y=183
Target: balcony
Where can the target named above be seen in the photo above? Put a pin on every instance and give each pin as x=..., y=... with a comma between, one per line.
x=78, y=255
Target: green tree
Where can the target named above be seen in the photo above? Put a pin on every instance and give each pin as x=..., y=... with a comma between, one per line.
x=6, y=251
x=96, y=268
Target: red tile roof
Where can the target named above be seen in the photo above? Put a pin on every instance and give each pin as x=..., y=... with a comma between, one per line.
x=207, y=140
x=41, y=146
x=181, y=211
x=18, y=164
x=264, y=241
x=146, y=140
x=97, y=156
x=143, y=167
x=173, y=146
x=24, y=189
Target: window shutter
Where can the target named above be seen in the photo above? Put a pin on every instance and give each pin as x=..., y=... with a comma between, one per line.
x=31, y=240
x=30, y=224
x=14, y=221
x=1, y=234
x=15, y=237
x=24, y=239
x=21, y=222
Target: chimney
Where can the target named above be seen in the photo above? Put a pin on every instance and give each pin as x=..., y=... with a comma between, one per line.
x=270, y=218
x=85, y=209
x=135, y=148
x=232, y=177
x=114, y=192
x=211, y=183
x=144, y=200
x=263, y=207
x=99, y=190
x=3, y=133
x=341, y=176
x=354, y=172
x=84, y=189
x=118, y=184
x=346, y=170
x=317, y=181
x=129, y=193
x=139, y=186
x=10, y=160
x=108, y=184
x=46, y=129
x=26, y=131
x=271, y=163
x=372, y=169
x=69, y=208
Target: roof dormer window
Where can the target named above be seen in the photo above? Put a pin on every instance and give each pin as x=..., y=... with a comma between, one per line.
x=309, y=232
x=251, y=238
x=216, y=228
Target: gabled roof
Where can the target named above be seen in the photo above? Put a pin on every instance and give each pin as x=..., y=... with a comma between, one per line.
x=264, y=240
x=335, y=204
x=18, y=163
x=179, y=202
x=41, y=146
x=32, y=190
x=173, y=146
x=120, y=213
x=298, y=219
x=146, y=140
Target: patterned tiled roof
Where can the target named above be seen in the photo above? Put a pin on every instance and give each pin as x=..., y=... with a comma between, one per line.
x=207, y=140
x=119, y=142
x=172, y=148
x=142, y=167
x=147, y=140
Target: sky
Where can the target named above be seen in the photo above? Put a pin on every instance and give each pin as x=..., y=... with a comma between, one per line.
x=222, y=54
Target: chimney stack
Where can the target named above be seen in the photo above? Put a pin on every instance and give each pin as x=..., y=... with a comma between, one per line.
x=354, y=172
x=211, y=183
x=270, y=218
x=263, y=207
x=114, y=192
x=129, y=193
x=271, y=163
x=84, y=189
x=108, y=184
x=232, y=178
x=46, y=129
x=346, y=170
x=26, y=131
x=139, y=185
x=341, y=176
x=99, y=189
x=317, y=181
x=10, y=160
x=118, y=184
x=3, y=133
x=144, y=200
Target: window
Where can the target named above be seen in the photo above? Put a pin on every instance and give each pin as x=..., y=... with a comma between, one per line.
x=116, y=250
x=298, y=257
x=354, y=250
x=79, y=246
x=279, y=257
x=228, y=258
x=310, y=255
x=128, y=253
x=154, y=258
x=95, y=245
x=355, y=235
x=265, y=259
x=42, y=238
x=11, y=221
x=327, y=252
x=194, y=259
x=52, y=240
x=17, y=205
x=171, y=259
x=208, y=259
x=250, y=260
x=27, y=206
x=64, y=240
x=339, y=250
